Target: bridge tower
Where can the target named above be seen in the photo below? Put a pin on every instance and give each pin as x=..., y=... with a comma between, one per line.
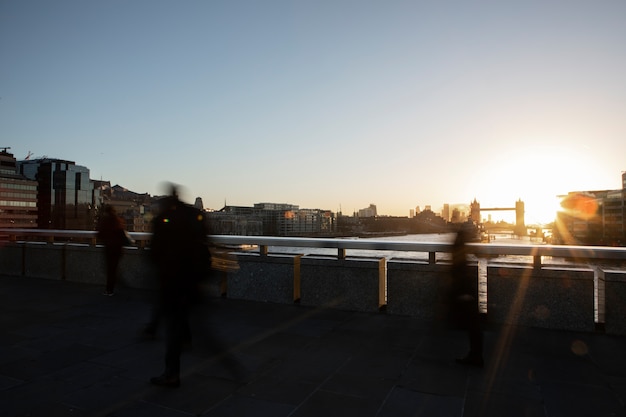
x=475, y=211
x=520, y=226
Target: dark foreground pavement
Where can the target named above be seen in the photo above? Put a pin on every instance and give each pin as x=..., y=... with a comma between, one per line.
x=66, y=350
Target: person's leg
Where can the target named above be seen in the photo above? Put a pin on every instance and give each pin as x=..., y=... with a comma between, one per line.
x=111, y=270
x=475, y=337
x=176, y=332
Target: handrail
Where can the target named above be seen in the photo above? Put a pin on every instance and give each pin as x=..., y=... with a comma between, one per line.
x=479, y=249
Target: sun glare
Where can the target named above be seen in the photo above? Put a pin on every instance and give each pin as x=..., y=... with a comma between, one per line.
x=535, y=175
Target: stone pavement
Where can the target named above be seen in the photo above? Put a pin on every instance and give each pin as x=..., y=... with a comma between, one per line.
x=66, y=350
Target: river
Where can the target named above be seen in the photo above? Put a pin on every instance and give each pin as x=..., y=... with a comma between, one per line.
x=500, y=239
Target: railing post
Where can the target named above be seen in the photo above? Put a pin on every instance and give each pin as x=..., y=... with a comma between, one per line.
x=341, y=253
x=432, y=257
x=382, y=283
x=599, y=296
x=537, y=261
x=263, y=250
x=297, y=283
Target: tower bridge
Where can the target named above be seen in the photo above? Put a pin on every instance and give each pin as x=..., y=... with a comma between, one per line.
x=520, y=224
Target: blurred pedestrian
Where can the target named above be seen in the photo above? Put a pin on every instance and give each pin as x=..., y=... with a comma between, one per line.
x=180, y=251
x=112, y=233
x=464, y=296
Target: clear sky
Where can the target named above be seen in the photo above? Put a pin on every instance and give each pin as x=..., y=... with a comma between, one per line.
x=324, y=104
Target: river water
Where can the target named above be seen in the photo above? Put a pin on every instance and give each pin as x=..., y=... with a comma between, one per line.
x=500, y=239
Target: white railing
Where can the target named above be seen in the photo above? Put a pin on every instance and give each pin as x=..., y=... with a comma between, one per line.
x=536, y=252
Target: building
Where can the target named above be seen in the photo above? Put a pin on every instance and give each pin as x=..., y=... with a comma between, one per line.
x=369, y=211
x=272, y=219
x=18, y=195
x=592, y=218
x=134, y=208
x=65, y=194
x=305, y=222
x=235, y=220
x=445, y=213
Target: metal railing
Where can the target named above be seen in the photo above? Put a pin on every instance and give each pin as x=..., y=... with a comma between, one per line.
x=480, y=250
x=601, y=262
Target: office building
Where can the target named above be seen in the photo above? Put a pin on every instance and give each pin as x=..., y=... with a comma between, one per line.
x=445, y=213
x=18, y=195
x=272, y=219
x=592, y=218
x=65, y=194
x=368, y=212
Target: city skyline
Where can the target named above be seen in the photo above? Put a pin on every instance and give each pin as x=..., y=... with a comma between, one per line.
x=331, y=105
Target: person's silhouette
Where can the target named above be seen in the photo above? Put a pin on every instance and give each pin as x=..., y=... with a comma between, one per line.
x=111, y=231
x=180, y=251
x=464, y=296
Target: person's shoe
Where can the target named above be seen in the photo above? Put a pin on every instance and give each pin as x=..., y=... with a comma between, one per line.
x=471, y=361
x=165, y=381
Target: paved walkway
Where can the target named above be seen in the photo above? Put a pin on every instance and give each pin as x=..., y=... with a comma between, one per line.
x=66, y=350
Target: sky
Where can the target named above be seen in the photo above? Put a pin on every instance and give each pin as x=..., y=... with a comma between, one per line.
x=334, y=104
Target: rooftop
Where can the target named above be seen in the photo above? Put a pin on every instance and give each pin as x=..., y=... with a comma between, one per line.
x=68, y=350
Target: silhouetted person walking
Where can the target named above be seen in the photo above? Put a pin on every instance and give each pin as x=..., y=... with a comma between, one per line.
x=180, y=252
x=464, y=296
x=111, y=231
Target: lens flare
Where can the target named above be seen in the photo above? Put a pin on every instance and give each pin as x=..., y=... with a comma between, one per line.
x=580, y=205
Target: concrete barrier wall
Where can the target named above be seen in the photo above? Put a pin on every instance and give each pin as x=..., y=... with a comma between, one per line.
x=137, y=269
x=85, y=263
x=264, y=278
x=418, y=290
x=550, y=298
x=12, y=258
x=615, y=302
x=44, y=260
x=348, y=284
x=555, y=299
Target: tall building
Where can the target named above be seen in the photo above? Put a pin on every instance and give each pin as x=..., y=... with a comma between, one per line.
x=445, y=213
x=65, y=194
x=593, y=218
x=18, y=195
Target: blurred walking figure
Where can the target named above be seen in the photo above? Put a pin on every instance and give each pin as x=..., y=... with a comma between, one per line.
x=464, y=296
x=111, y=231
x=180, y=251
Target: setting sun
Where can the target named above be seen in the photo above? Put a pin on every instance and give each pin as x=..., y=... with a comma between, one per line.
x=537, y=175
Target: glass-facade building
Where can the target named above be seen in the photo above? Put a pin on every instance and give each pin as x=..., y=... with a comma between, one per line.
x=599, y=219
x=65, y=193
